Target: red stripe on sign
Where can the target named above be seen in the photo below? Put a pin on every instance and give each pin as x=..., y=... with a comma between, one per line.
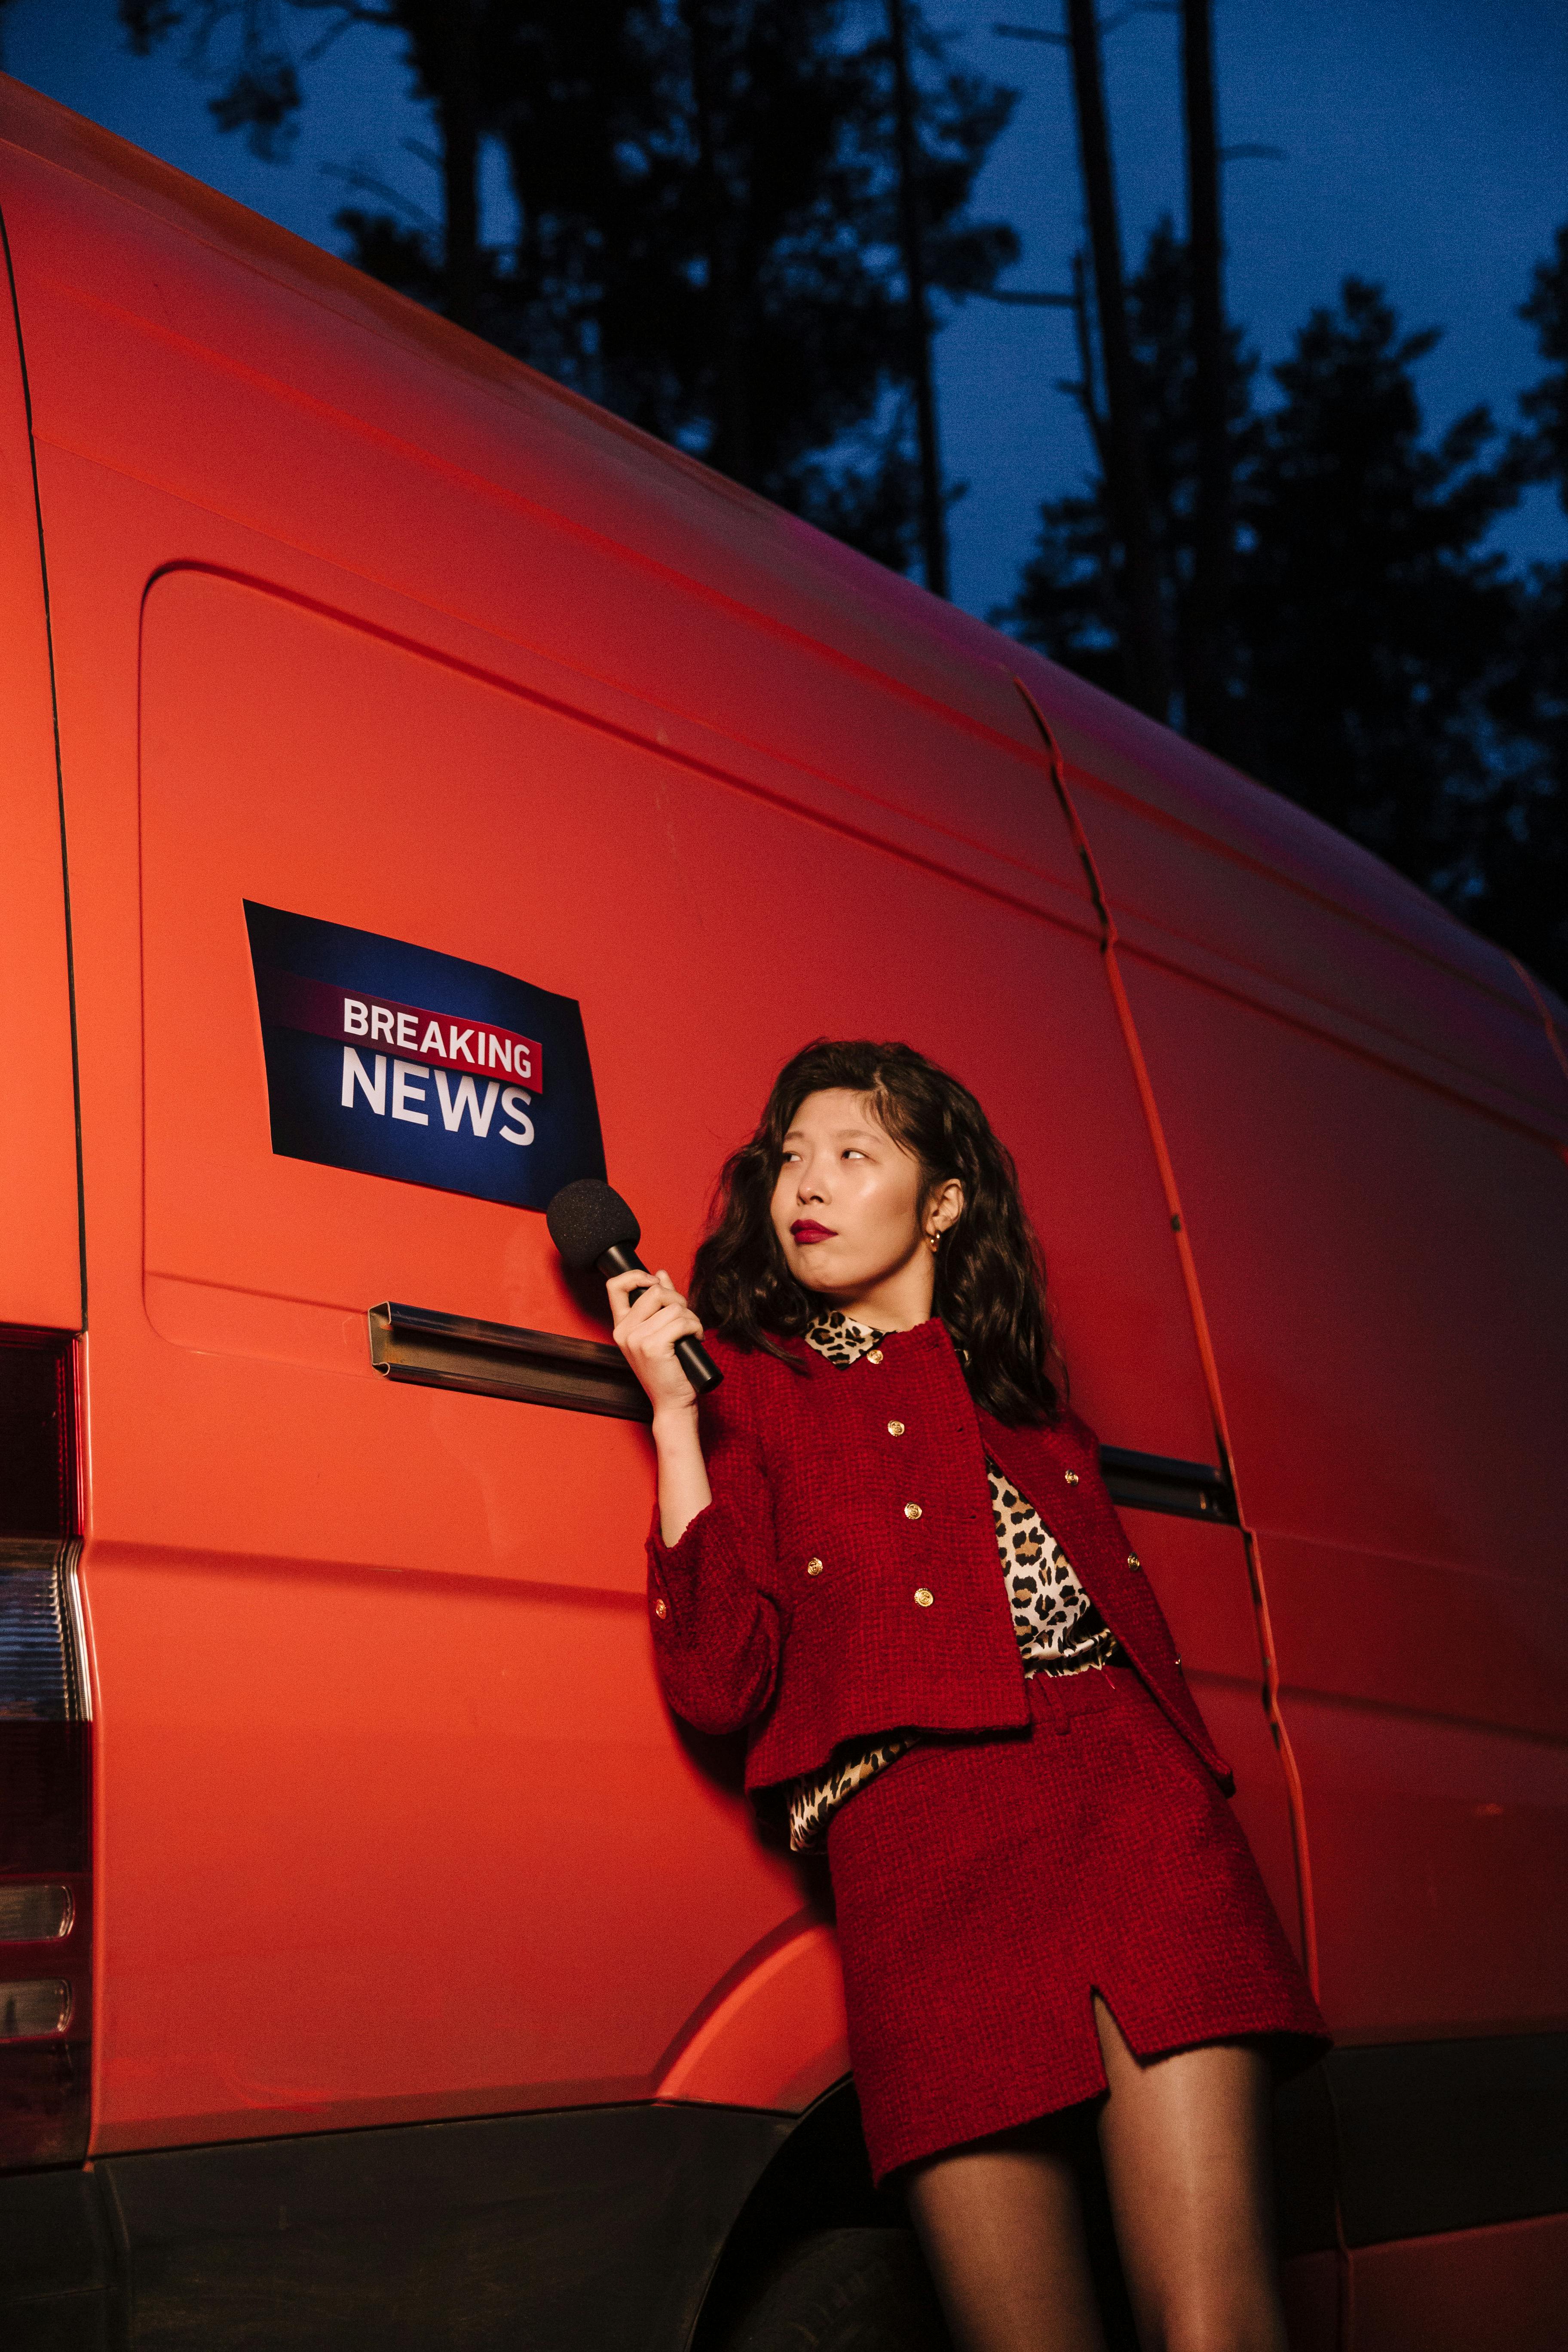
x=444, y=1041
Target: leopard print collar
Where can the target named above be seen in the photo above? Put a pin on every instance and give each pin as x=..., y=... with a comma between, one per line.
x=840, y=1338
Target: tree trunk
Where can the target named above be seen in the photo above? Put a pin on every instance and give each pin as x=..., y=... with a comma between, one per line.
x=1209, y=604
x=1083, y=335
x=934, y=518
x=459, y=108
x=1127, y=482
x=729, y=449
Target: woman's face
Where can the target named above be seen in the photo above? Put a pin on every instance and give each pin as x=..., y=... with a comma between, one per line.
x=847, y=1206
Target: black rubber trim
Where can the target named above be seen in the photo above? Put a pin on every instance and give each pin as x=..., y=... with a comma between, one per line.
x=1450, y=2135
x=578, y=2229
x=1304, y=2164
x=1154, y=1482
x=58, y=2267
x=592, y=2228
x=601, y=2226
x=502, y=1359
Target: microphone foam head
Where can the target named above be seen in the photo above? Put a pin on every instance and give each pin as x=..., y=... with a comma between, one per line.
x=587, y=1218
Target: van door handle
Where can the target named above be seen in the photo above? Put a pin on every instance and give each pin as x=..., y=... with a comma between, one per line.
x=1158, y=1482
x=503, y=1360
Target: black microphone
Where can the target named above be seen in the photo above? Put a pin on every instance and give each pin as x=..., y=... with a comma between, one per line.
x=590, y=1224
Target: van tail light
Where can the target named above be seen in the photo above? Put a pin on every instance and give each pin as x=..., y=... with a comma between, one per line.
x=46, y=1761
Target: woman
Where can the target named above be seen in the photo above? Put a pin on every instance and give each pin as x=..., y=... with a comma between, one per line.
x=1042, y=1896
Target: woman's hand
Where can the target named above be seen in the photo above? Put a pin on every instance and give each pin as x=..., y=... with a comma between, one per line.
x=646, y=1333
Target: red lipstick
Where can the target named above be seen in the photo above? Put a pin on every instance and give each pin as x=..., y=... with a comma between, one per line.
x=806, y=1230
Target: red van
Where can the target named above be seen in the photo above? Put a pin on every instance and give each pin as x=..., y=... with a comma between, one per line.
x=379, y=1961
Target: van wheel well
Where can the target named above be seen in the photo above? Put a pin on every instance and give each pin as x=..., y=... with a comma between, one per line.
x=845, y=2291
x=820, y=2180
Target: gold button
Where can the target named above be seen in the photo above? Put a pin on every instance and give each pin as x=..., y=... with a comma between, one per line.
x=1133, y=1561
x=661, y=1608
x=874, y=1355
x=923, y=1596
x=895, y=1429
x=912, y=1511
x=1071, y=1478
x=814, y=1566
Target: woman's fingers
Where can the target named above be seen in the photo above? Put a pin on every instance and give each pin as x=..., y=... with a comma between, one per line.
x=655, y=1335
x=622, y=1287
x=656, y=1289
x=618, y=1287
x=647, y=1328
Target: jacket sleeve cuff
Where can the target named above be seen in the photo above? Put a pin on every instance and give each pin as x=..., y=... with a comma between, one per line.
x=701, y=1562
x=716, y=1635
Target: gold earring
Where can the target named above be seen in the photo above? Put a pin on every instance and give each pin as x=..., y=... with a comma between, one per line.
x=934, y=1239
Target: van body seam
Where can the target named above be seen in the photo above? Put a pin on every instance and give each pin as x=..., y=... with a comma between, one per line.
x=59, y=771
x=1295, y=1802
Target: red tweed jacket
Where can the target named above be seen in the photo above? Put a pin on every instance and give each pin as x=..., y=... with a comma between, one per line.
x=844, y=1579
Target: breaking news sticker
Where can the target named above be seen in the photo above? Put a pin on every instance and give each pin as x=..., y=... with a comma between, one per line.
x=396, y=1061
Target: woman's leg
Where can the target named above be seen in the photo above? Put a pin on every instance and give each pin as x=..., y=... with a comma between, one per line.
x=1002, y=2230
x=1187, y=2162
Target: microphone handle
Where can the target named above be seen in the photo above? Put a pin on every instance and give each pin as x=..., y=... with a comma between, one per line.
x=689, y=1352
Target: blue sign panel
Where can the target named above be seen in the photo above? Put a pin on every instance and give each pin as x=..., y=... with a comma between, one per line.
x=395, y=1061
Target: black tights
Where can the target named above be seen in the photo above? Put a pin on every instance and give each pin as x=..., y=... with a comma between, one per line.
x=1184, y=2142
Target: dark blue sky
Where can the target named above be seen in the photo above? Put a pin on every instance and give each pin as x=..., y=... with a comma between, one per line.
x=1426, y=144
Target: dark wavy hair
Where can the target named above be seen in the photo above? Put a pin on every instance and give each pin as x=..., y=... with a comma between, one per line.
x=990, y=1270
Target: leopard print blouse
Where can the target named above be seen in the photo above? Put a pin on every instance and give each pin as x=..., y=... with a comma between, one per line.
x=1059, y=1629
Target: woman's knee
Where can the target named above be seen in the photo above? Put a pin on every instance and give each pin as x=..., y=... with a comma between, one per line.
x=1247, y=2322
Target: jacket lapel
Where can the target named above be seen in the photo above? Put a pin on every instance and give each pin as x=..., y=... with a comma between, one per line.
x=1037, y=1461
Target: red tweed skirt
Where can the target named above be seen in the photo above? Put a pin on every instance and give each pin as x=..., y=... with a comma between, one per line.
x=987, y=1888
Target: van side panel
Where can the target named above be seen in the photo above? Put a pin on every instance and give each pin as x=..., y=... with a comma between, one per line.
x=380, y=1651
x=1384, y=1267
x=40, y=1252
x=295, y=759
x=366, y=1650
x=1414, y=1251
x=392, y=1823
x=1463, y=2290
